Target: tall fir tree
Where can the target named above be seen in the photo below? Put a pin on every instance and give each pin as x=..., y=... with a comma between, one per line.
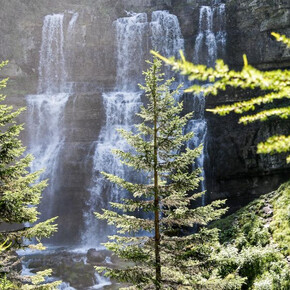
x=20, y=193
x=168, y=256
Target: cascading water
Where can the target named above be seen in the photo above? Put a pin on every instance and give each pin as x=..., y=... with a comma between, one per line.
x=72, y=24
x=121, y=106
x=132, y=47
x=209, y=44
x=69, y=55
x=211, y=39
x=166, y=37
x=205, y=41
x=166, y=33
x=46, y=109
x=120, y=110
x=220, y=26
x=52, y=73
x=135, y=35
x=198, y=125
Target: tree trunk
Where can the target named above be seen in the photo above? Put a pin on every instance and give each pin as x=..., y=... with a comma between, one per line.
x=156, y=195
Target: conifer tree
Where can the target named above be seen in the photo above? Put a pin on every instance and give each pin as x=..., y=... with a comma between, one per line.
x=168, y=256
x=20, y=193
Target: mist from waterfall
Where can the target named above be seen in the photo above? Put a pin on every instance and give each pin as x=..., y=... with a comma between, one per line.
x=46, y=109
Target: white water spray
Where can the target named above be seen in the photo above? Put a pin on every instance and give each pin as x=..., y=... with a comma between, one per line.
x=205, y=44
x=198, y=125
x=132, y=46
x=166, y=34
x=52, y=73
x=121, y=107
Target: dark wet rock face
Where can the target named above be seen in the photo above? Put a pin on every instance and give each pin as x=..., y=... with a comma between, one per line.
x=236, y=171
x=94, y=256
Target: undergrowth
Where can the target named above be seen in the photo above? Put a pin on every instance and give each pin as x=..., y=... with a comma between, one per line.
x=257, y=241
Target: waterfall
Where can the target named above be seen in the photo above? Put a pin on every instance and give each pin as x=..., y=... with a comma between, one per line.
x=133, y=43
x=46, y=109
x=166, y=34
x=72, y=24
x=211, y=39
x=52, y=73
x=209, y=44
x=221, y=34
x=205, y=44
x=120, y=107
x=166, y=37
x=131, y=33
x=198, y=125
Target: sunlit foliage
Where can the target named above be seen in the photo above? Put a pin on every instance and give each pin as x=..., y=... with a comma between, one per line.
x=20, y=193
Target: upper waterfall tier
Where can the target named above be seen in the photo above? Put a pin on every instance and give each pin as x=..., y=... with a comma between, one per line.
x=135, y=36
x=166, y=37
x=166, y=34
x=211, y=39
x=52, y=73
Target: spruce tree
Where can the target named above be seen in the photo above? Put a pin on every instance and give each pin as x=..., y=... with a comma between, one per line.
x=177, y=251
x=20, y=193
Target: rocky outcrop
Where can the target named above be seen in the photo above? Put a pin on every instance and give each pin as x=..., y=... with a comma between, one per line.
x=244, y=174
x=234, y=170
